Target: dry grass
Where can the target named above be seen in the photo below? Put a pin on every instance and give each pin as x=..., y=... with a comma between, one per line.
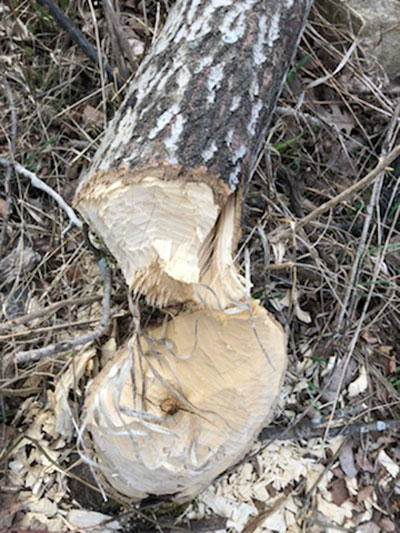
x=338, y=275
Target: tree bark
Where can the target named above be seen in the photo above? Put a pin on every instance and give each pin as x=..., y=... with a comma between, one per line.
x=189, y=131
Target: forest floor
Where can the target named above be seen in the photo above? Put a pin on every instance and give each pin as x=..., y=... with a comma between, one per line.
x=331, y=460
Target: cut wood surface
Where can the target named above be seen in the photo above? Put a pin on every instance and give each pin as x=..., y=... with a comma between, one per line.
x=180, y=404
x=185, y=139
x=205, y=387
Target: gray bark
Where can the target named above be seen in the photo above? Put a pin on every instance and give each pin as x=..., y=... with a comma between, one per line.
x=204, y=95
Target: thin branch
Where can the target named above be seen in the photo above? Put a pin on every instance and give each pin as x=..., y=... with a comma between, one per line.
x=286, y=111
x=309, y=431
x=65, y=346
x=39, y=184
x=279, y=234
x=77, y=36
x=42, y=312
x=350, y=299
x=120, y=44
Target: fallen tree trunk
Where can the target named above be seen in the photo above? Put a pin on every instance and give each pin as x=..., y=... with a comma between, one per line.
x=160, y=190
x=181, y=403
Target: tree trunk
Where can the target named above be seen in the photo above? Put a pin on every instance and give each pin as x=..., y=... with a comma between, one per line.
x=185, y=139
x=181, y=403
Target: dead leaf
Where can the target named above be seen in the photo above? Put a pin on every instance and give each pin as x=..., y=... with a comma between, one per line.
x=346, y=459
x=337, y=117
x=365, y=493
x=18, y=261
x=360, y=384
x=292, y=298
x=339, y=492
x=387, y=525
x=388, y=463
x=304, y=316
x=74, y=274
x=92, y=117
x=333, y=380
x=368, y=337
x=363, y=463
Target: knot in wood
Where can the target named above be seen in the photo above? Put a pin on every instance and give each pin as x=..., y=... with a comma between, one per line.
x=170, y=406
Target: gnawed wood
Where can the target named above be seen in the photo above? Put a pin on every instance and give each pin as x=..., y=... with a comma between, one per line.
x=188, y=133
x=204, y=388
x=181, y=403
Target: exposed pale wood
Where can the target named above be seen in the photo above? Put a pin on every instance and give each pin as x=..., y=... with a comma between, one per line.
x=176, y=434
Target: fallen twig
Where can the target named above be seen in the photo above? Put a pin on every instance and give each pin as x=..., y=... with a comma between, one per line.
x=350, y=299
x=65, y=346
x=278, y=234
x=50, y=309
x=309, y=431
x=77, y=36
x=39, y=184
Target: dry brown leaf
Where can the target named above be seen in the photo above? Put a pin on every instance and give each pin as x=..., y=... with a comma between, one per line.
x=339, y=492
x=92, y=117
x=363, y=463
x=388, y=464
x=360, y=384
x=387, y=525
x=339, y=118
x=74, y=274
x=17, y=261
x=333, y=380
x=368, y=337
x=292, y=298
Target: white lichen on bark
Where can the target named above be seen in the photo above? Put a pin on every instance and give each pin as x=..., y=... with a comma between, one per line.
x=203, y=77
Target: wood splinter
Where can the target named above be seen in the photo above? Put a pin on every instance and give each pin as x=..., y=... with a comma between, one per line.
x=164, y=194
